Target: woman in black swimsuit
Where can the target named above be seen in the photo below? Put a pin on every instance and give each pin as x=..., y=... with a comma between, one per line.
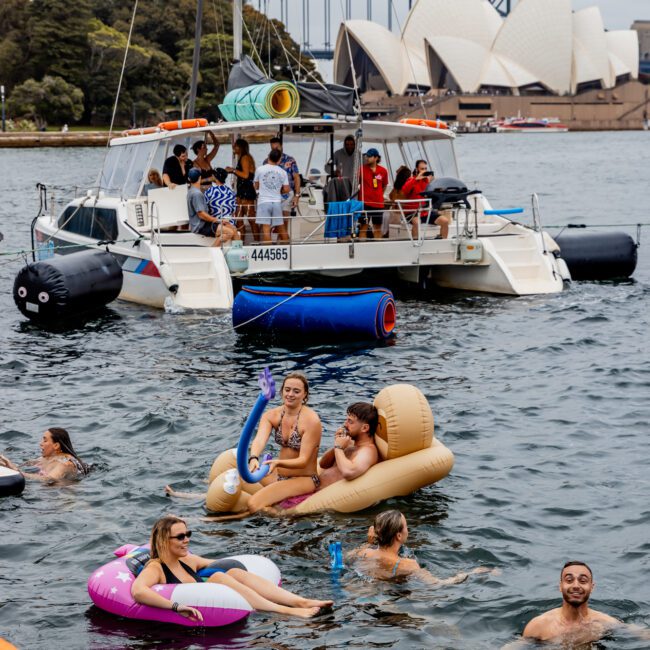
x=246, y=194
x=169, y=543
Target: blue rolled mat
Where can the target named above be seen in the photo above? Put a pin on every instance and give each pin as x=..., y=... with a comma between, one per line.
x=323, y=313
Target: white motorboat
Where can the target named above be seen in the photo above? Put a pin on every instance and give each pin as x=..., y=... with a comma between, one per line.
x=485, y=252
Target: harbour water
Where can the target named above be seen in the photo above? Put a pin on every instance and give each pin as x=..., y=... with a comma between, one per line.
x=543, y=400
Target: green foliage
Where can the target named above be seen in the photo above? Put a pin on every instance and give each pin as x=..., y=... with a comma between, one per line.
x=52, y=99
x=83, y=43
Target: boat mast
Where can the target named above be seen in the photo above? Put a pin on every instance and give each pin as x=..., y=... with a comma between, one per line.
x=237, y=20
x=195, y=58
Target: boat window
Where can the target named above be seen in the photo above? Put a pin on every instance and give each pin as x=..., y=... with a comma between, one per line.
x=96, y=223
x=139, y=162
x=110, y=163
x=440, y=154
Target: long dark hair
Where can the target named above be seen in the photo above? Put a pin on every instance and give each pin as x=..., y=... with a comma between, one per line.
x=402, y=175
x=62, y=437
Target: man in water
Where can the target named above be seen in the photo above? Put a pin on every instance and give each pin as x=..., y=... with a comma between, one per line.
x=354, y=451
x=574, y=621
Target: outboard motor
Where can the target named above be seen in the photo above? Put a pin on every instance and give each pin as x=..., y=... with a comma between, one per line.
x=67, y=285
x=448, y=190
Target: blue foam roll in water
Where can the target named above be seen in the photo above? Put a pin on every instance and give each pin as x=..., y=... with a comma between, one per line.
x=336, y=555
x=315, y=313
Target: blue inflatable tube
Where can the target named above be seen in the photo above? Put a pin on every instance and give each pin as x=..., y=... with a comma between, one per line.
x=315, y=313
x=267, y=392
x=504, y=211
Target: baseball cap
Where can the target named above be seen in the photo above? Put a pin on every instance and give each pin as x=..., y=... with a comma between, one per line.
x=372, y=152
x=193, y=175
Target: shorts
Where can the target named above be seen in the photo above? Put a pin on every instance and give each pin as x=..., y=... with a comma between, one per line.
x=269, y=214
x=314, y=477
x=373, y=214
x=287, y=201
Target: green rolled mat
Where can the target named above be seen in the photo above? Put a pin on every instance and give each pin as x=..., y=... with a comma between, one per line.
x=261, y=102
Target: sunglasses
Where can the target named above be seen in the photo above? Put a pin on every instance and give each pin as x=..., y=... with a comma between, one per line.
x=182, y=536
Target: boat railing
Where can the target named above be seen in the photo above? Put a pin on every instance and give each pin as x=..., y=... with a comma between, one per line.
x=537, y=220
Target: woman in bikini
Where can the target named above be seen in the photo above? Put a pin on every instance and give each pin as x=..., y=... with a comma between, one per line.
x=380, y=558
x=172, y=563
x=203, y=160
x=59, y=460
x=297, y=430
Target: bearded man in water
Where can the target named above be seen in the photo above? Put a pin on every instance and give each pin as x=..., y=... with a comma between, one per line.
x=574, y=621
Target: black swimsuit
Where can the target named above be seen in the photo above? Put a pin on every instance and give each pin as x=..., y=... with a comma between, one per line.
x=171, y=579
x=245, y=186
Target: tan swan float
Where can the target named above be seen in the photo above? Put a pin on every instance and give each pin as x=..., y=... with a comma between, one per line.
x=411, y=458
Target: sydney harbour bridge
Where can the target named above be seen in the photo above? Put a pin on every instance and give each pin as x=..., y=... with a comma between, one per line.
x=315, y=23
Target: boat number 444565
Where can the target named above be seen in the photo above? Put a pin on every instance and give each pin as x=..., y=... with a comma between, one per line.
x=269, y=254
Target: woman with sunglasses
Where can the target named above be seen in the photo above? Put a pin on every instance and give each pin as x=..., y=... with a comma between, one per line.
x=172, y=563
x=381, y=556
x=59, y=461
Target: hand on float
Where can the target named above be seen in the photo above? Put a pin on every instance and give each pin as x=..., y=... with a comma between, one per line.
x=273, y=465
x=190, y=612
x=5, y=462
x=253, y=464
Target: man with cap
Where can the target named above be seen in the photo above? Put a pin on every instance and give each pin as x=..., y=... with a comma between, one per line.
x=201, y=221
x=374, y=181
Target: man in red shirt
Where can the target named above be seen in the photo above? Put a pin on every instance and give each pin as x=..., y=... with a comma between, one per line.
x=374, y=181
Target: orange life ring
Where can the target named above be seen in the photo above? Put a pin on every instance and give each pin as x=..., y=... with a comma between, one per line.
x=183, y=124
x=434, y=124
x=142, y=131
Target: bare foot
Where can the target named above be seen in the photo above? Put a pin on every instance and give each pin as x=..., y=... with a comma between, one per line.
x=304, y=612
x=169, y=491
x=311, y=602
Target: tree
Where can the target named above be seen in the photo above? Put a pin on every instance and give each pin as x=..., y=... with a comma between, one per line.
x=53, y=99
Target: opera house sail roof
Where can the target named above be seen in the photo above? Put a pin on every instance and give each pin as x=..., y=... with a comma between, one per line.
x=466, y=46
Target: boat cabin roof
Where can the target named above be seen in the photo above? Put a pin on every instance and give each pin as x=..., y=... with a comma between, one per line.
x=375, y=131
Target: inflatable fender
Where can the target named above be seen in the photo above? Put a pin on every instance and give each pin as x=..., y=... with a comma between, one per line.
x=110, y=589
x=12, y=483
x=225, y=493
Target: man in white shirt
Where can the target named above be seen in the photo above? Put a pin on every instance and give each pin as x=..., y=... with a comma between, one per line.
x=271, y=182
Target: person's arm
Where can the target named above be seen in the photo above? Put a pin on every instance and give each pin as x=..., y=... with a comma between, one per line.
x=309, y=443
x=215, y=147
x=261, y=438
x=363, y=460
x=256, y=180
x=142, y=593
x=204, y=216
x=168, y=181
x=285, y=183
x=535, y=628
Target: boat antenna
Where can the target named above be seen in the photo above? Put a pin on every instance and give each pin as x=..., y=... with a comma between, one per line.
x=408, y=58
x=195, y=58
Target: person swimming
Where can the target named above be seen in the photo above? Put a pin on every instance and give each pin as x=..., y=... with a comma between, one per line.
x=389, y=533
x=59, y=461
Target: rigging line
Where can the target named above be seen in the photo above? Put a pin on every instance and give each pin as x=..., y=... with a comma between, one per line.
x=354, y=72
x=250, y=320
x=284, y=50
x=119, y=88
x=408, y=57
x=219, y=34
x=252, y=42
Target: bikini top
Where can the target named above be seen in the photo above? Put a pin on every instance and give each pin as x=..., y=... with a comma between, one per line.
x=171, y=579
x=294, y=440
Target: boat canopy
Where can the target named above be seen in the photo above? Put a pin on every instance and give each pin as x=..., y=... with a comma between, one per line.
x=310, y=141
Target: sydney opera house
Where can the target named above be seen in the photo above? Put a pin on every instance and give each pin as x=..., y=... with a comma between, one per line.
x=449, y=47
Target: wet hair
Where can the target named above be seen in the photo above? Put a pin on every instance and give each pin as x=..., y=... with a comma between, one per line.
x=387, y=525
x=160, y=534
x=298, y=375
x=417, y=164
x=242, y=145
x=179, y=149
x=197, y=145
x=275, y=155
x=62, y=437
x=275, y=140
x=576, y=563
x=402, y=175
x=366, y=413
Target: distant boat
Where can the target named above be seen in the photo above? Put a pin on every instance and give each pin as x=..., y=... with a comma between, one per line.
x=530, y=125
